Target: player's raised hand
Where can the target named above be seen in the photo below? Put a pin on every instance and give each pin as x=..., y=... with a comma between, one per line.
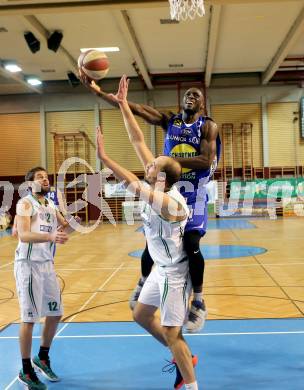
x=100, y=144
x=87, y=82
x=121, y=95
x=123, y=89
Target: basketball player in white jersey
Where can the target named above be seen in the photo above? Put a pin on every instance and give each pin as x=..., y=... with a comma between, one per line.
x=165, y=216
x=37, y=285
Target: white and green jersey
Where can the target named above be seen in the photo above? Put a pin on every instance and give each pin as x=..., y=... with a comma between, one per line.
x=164, y=238
x=43, y=220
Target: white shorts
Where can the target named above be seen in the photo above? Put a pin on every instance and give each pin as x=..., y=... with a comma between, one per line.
x=169, y=289
x=38, y=290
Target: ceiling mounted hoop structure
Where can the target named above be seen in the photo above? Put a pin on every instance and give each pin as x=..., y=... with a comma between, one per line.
x=186, y=9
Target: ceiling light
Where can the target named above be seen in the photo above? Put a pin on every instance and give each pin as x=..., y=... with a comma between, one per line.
x=103, y=49
x=14, y=68
x=34, y=81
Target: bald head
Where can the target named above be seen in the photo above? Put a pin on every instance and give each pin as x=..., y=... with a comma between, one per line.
x=167, y=165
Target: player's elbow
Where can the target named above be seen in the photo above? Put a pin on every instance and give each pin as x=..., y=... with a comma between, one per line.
x=136, y=139
x=206, y=161
x=23, y=236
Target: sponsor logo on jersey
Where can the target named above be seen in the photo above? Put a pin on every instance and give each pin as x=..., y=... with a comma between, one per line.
x=179, y=138
x=46, y=229
x=176, y=138
x=177, y=122
x=189, y=175
x=184, y=151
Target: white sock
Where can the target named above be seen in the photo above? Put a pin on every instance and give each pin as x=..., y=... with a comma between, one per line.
x=198, y=296
x=191, y=386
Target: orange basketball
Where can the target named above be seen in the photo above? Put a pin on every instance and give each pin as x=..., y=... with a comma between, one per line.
x=94, y=64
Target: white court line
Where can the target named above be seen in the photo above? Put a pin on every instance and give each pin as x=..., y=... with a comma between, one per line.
x=109, y=336
x=11, y=384
x=5, y=265
x=136, y=268
x=209, y=266
x=71, y=319
x=90, y=299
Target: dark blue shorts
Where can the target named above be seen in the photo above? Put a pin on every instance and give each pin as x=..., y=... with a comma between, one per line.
x=198, y=218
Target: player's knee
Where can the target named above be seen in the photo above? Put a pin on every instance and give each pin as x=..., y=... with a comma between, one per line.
x=27, y=324
x=137, y=315
x=170, y=334
x=54, y=318
x=191, y=242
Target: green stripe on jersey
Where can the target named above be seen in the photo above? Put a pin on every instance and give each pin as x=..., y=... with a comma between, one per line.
x=31, y=294
x=29, y=251
x=164, y=241
x=165, y=292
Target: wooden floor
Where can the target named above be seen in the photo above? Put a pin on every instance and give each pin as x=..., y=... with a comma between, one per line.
x=97, y=275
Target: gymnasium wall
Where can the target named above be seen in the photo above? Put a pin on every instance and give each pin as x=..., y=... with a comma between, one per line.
x=287, y=147
x=237, y=114
x=32, y=115
x=117, y=141
x=20, y=143
x=69, y=122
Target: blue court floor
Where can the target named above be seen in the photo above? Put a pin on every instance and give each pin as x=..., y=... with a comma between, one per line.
x=233, y=355
x=220, y=252
x=223, y=224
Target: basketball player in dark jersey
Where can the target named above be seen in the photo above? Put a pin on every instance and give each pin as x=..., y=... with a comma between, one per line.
x=193, y=140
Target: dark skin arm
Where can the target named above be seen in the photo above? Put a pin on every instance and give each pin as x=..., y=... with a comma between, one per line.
x=149, y=114
x=207, y=149
x=157, y=118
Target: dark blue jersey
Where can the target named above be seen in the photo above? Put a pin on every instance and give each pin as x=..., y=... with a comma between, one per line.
x=183, y=140
x=52, y=194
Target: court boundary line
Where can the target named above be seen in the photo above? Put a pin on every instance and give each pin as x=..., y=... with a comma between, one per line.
x=209, y=266
x=104, y=336
x=90, y=299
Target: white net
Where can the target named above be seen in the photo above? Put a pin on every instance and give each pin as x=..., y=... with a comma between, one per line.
x=184, y=9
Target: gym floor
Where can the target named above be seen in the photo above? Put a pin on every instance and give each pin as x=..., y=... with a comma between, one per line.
x=253, y=290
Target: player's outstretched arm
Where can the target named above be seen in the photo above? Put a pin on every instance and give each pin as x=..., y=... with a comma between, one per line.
x=148, y=113
x=134, y=131
x=161, y=203
x=120, y=172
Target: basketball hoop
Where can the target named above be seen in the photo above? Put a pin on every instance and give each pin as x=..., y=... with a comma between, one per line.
x=184, y=9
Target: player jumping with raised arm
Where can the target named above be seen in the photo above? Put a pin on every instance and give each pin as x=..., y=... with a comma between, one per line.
x=191, y=139
x=165, y=216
